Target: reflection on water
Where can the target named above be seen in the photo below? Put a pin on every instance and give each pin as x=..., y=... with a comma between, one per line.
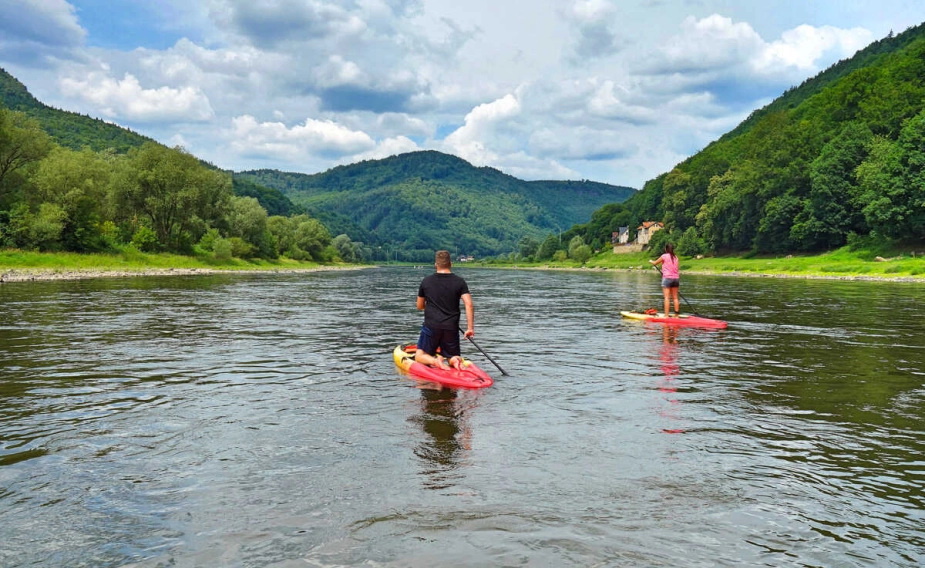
x=259, y=420
x=444, y=418
x=668, y=357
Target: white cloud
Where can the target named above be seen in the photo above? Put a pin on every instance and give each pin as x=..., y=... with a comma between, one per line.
x=525, y=166
x=188, y=61
x=803, y=46
x=275, y=139
x=718, y=45
x=582, y=143
x=592, y=20
x=394, y=123
x=386, y=148
x=606, y=104
x=711, y=43
x=127, y=99
x=44, y=22
x=467, y=141
x=38, y=33
x=337, y=71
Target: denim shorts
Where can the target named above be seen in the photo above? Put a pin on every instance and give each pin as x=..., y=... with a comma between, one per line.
x=446, y=339
x=671, y=283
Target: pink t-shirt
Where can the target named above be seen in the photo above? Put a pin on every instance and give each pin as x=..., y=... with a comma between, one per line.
x=669, y=266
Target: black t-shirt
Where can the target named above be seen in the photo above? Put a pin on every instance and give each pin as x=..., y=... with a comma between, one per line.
x=442, y=292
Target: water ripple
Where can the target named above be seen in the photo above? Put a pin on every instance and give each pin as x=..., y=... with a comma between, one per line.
x=259, y=420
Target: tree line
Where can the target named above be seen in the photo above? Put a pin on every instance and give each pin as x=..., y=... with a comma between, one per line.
x=842, y=162
x=150, y=198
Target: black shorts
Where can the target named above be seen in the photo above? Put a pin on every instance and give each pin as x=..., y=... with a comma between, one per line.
x=671, y=282
x=446, y=339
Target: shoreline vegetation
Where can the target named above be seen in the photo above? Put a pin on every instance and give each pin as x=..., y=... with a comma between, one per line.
x=842, y=264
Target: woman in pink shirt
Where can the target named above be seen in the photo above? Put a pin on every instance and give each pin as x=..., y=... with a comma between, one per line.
x=671, y=278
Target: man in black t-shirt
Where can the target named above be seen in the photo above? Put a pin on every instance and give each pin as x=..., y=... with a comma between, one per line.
x=439, y=296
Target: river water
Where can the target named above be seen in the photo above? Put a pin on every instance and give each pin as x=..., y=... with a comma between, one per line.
x=259, y=420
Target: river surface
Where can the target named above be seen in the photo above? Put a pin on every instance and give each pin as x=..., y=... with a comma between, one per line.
x=258, y=420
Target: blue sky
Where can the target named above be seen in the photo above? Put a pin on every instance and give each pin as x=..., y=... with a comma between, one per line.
x=613, y=91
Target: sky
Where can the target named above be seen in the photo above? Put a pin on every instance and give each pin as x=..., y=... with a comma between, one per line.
x=616, y=91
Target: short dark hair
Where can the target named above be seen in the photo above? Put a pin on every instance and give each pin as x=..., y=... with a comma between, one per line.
x=442, y=259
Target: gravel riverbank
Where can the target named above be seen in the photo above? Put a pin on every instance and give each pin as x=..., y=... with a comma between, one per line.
x=34, y=275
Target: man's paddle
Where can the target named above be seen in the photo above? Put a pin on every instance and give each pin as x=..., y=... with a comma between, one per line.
x=483, y=353
x=693, y=311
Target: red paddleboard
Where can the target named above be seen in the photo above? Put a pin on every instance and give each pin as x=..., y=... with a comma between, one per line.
x=684, y=320
x=470, y=376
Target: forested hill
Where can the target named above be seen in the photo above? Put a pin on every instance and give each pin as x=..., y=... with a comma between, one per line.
x=68, y=129
x=839, y=159
x=426, y=200
x=76, y=131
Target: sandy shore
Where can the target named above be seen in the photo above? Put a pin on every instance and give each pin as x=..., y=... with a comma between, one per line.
x=34, y=275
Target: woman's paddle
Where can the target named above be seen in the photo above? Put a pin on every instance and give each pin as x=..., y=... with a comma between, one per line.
x=483, y=353
x=693, y=311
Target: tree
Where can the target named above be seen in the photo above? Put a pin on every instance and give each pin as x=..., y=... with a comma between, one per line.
x=730, y=217
x=892, y=183
x=311, y=236
x=528, y=246
x=173, y=192
x=346, y=249
x=22, y=142
x=247, y=219
x=77, y=182
x=690, y=243
x=581, y=253
x=548, y=248
x=774, y=228
x=573, y=245
x=676, y=198
x=282, y=231
x=833, y=208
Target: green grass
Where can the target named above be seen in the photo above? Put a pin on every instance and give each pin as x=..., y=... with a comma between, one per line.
x=843, y=262
x=132, y=260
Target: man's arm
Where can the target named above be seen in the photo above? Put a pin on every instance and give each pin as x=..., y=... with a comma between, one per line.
x=422, y=301
x=470, y=315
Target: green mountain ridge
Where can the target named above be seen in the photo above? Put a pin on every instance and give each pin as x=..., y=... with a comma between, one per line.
x=839, y=159
x=69, y=129
x=795, y=96
x=424, y=200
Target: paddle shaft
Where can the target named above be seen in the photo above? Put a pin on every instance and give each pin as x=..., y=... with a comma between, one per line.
x=693, y=311
x=487, y=356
